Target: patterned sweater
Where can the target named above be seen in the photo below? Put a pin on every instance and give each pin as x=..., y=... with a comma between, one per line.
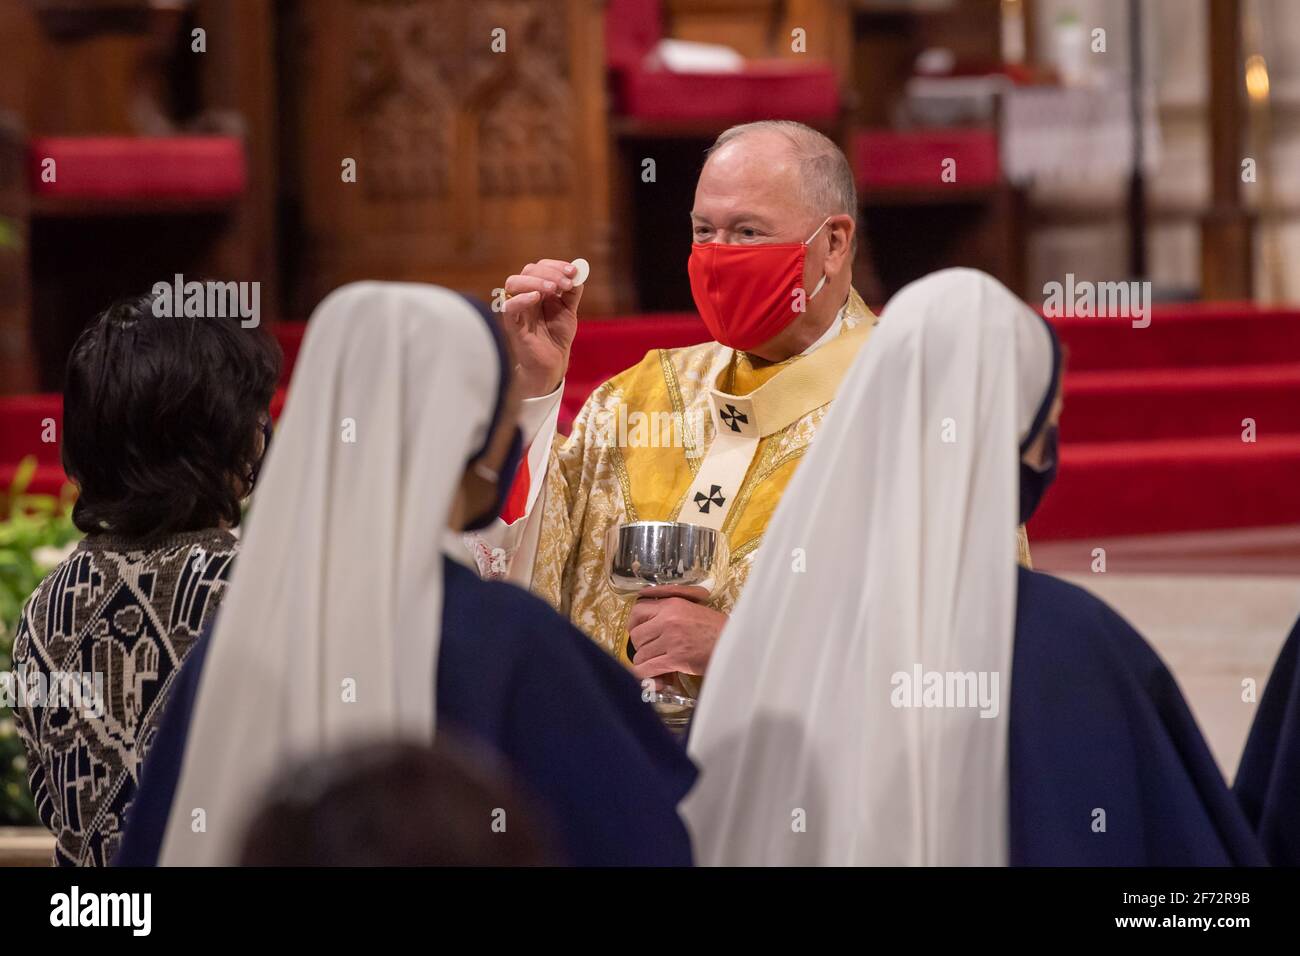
x=97, y=648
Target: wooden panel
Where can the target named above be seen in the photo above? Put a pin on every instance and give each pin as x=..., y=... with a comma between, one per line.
x=750, y=26
x=762, y=28
x=17, y=365
x=1227, y=261
x=70, y=19
x=18, y=41
x=94, y=84
x=888, y=40
x=470, y=163
x=828, y=26
x=126, y=67
x=17, y=35
x=238, y=86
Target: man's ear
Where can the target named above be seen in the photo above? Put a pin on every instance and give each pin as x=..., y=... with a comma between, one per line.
x=841, y=228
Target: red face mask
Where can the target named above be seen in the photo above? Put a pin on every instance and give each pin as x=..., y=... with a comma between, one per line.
x=747, y=295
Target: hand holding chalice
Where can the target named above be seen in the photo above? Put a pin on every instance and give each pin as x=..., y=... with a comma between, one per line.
x=667, y=559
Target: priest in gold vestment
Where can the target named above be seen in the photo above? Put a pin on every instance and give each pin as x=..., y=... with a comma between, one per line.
x=721, y=426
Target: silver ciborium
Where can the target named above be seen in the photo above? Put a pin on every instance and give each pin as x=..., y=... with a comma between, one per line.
x=662, y=559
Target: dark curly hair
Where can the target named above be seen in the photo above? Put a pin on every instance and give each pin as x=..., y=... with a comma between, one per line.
x=162, y=419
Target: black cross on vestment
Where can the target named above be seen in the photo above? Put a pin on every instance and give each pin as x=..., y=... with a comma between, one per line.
x=714, y=497
x=732, y=415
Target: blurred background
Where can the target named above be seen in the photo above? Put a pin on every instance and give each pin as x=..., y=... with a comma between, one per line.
x=302, y=144
x=1104, y=138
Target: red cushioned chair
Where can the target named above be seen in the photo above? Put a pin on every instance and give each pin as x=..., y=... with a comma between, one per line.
x=764, y=89
x=93, y=199
x=101, y=189
x=887, y=159
x=126, y=169
x=23, y=430
x=119, y=197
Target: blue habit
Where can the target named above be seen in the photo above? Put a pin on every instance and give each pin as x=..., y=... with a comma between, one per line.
x=1098, y=723
x=1268, y=779
x=514, y=675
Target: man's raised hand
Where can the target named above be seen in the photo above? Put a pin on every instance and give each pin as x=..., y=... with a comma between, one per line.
x=541, y=319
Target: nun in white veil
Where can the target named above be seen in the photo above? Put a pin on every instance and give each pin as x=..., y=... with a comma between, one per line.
x=349, y=620
x=861, y=708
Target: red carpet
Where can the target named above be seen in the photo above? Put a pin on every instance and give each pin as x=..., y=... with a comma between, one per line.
x=1151, y=435
x=1153, y=423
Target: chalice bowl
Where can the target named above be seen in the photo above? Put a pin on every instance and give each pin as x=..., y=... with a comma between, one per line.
x=662, y=559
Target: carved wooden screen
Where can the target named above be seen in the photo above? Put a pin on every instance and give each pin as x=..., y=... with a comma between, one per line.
x=478, y=132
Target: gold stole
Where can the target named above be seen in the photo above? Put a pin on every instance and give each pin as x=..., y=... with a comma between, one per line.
x=656, y=476
x=741, y=420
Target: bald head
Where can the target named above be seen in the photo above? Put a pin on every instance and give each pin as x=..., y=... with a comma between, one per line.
x=824, y=175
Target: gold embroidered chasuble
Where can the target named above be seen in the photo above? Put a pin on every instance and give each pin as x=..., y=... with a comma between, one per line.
x=617, y=466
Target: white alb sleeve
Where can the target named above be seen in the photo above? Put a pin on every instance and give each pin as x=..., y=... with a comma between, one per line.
x=506, y=551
